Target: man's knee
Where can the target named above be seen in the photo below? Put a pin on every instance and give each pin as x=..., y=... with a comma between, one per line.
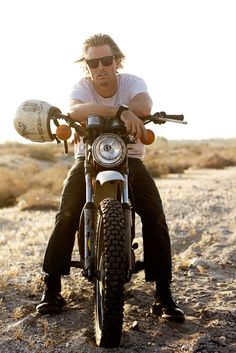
x=67, y=216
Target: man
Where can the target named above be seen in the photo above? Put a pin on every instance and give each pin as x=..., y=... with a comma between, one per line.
x=107, y=93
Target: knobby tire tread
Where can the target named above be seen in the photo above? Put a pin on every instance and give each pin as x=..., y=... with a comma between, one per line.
x=112, y=230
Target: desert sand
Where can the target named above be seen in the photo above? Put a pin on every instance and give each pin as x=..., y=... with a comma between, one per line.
x=200, y=207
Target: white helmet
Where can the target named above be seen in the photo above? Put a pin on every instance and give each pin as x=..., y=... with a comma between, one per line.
x=32, y=120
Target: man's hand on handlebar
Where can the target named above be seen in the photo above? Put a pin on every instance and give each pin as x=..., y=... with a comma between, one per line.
x=160, y=116
x=133, y=124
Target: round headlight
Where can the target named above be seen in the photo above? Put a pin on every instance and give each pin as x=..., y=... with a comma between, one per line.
x=109, y=150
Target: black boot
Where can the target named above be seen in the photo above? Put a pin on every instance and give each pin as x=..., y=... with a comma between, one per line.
x=164, y=305
x=52, y=302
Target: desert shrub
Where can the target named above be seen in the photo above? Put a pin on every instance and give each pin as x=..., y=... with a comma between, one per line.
x=156, y=168
x=163, y=166
x=164, y=157
x=51, y=178
x=213, y=160
x=11, y=187
x=38, y=199
x=12, y=147
x=178, y=167
x=40, y=151
x=26, y=171
x=17, y=182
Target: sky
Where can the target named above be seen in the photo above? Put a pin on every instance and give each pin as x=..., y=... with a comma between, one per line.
x=183, y=49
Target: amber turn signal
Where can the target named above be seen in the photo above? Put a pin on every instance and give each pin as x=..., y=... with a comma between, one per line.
x=63, y=132
x=150, y=138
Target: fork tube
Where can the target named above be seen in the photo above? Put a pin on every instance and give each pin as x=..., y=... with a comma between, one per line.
x=88, y=178
x=88, y=182
x=125, y=190
x=89, y=215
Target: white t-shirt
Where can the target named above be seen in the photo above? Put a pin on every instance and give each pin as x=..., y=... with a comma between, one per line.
x=128, y=87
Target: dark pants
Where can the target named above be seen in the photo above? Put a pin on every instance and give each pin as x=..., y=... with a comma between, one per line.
x=148, y=205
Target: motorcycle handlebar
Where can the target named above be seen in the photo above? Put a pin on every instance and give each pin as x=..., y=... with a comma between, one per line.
x=162, y=117
x=157, y=118
x=175, y=117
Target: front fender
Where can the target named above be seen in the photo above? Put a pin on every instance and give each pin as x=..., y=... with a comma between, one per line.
x=109, y=175
x=108, y=183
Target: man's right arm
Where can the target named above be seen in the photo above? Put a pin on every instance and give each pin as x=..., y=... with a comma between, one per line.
x=79, y=110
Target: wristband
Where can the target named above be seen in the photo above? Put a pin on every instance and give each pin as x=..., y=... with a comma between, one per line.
x=121, y=109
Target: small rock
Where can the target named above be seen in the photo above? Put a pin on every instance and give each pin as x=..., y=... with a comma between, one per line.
x=2, y=295
x=27, y=321
x=72, y=295
x=191, y=272
x=135, y=326
x=198, y=262
x=199, y=305
x=222, y=340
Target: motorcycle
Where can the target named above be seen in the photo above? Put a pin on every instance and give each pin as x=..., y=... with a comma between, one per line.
x=106, y=232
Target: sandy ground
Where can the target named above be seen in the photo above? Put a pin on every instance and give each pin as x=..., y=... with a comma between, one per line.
x=200, y=207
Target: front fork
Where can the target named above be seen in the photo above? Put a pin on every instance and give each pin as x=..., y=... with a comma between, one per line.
x=90, y=210
x=129, y=229
x=89, y=237
x=129, y=252
x=89, y=215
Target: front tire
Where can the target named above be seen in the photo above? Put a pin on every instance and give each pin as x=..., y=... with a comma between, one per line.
x=111, y=271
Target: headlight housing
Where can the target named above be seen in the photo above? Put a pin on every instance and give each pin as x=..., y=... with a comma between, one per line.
x=109, y=150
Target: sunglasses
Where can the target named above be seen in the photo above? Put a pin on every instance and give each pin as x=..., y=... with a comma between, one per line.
x=105, y=60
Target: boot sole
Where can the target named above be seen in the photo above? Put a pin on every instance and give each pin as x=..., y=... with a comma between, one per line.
x=173, y=318
x=48, y=310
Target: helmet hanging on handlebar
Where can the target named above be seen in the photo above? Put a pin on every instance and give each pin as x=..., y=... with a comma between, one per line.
x=32, y=120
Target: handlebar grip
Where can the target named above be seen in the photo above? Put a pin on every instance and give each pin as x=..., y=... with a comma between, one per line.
x=175, y=117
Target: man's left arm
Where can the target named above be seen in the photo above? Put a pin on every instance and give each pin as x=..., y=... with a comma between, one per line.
x=139, y=106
